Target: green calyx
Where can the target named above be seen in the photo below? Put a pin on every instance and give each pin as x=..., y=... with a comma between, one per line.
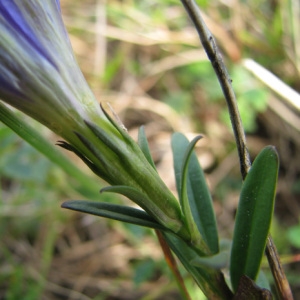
x=113, y=155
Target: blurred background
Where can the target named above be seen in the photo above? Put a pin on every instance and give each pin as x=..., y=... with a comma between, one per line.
x=145, y=59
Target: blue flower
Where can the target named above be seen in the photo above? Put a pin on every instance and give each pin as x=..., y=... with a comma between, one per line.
x=39, y=76
x=38, y=71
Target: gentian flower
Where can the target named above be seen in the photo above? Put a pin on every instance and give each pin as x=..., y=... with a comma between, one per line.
x=39, y=76
x=38, y=71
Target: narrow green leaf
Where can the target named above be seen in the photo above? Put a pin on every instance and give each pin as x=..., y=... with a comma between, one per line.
x=179, y=146
x=196, y=236
x=132, y=193
x=143, y=143
x=113, y=211
x=198, y=194
x=144, y=202
x=89, y=163
x=254, y=216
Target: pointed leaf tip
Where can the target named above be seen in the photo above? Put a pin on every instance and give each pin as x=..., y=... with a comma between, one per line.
x=114, y=211
x=198, y=194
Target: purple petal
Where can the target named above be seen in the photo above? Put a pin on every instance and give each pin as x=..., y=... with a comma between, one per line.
x=15, y=22
x=58, y=4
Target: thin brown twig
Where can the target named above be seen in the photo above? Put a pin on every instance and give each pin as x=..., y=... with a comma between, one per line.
x=215, y=57
x=172, y=265
x=283, y=289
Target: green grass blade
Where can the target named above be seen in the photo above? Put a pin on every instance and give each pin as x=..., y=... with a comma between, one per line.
x=114, y=211
x=199, y=198
x=36, y=140
x=254, y=216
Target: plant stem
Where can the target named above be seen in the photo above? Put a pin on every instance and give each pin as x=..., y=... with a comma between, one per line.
x=215, y=57
x=282, y=284
x=173, y=265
